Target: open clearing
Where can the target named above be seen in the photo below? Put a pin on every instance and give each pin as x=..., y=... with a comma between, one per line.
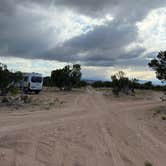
x=84, y=128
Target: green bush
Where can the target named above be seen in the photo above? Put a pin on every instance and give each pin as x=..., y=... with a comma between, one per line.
x=163, y=118
x=121, y=83
x=14, y=91
x=67, y=77
x=148, y=163
x=8, y=80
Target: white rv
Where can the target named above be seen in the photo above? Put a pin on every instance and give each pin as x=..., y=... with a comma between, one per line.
x=32, y=82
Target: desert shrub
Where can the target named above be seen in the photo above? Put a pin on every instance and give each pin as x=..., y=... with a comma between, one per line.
x=163, y=118
x=82, y=84
x=14, y=91
x=100, y=84
x=160, y=109
x=121, y=83
x=158, y=64
x=47, y=82
x=26, y=99
x=147, y=85
x=148, y=163
x=115, y=91
x=8, y=80
x=67, y=77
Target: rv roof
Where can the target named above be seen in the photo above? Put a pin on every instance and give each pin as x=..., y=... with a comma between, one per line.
x=33, y=73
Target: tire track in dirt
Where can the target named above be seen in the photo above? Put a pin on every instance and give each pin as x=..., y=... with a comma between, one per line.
x=92, y=133
x=112, y=148
x=97, y=104
x=146, y=138
x=80, y=101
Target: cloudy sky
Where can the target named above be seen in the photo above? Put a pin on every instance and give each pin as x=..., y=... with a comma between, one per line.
x=104, y=36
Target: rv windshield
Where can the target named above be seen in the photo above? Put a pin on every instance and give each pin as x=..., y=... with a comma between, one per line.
x=36, y=79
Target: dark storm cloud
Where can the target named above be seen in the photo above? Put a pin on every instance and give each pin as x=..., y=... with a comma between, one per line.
x=22, y=34
x=101, y=47
x=6, y=6
x=132, y=10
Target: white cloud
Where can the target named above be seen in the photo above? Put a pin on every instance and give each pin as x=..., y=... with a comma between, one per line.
x=45, y=67
x=104, y=73
x=62, y=22
x=32, y=65
x=32, y=30
x=152, y=30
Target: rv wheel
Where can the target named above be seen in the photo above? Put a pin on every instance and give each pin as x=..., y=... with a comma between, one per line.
x=37, y=92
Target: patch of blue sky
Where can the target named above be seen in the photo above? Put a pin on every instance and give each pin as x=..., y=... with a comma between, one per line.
x=86, y=28
x=13, y=67
x=78, y=20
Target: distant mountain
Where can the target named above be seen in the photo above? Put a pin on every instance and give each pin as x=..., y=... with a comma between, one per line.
x=89, y=81
x=154, y=82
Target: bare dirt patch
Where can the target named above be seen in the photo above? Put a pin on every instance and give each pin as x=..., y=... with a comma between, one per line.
x=83, y=128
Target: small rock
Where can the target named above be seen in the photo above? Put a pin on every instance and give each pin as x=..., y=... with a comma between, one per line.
x=5, y=100
x=163, y=98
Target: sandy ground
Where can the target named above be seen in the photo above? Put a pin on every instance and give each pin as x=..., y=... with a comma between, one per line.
x=83, y=128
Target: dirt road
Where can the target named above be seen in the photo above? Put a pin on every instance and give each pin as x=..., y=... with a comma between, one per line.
x=89, y=130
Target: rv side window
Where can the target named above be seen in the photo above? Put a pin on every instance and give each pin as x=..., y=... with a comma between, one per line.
x=36, y=79
x=25, y=78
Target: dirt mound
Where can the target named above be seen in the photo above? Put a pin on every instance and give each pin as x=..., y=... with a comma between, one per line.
x=18, y=100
